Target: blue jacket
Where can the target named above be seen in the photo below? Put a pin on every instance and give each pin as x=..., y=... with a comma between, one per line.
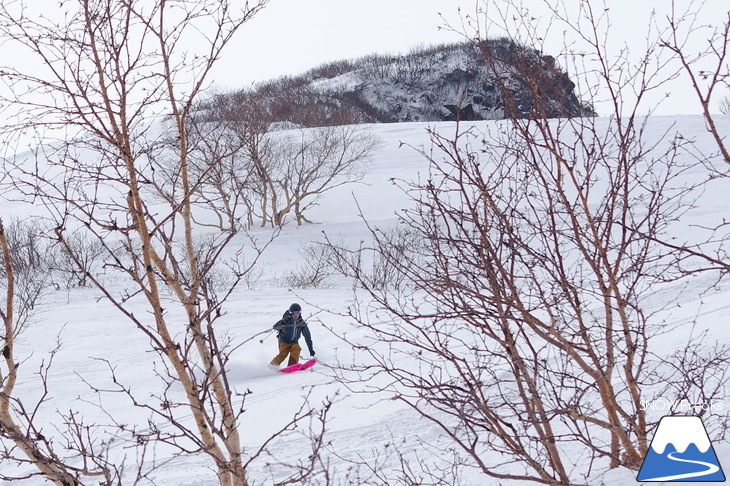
x=290, y=330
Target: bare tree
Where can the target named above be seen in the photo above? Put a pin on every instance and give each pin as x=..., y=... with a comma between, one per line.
x=87, y=250
x=32, y=259
x=708, y=69
x=315, y=270
x=529, y=329
x=314, y=162
x=272, y=173
x=23, y=434
x=225, y=149
x=108, y=72
x=725, y=105
x=237, y=159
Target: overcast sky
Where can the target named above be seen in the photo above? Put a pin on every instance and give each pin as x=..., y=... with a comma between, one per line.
x=292, y=36
x=289, y=37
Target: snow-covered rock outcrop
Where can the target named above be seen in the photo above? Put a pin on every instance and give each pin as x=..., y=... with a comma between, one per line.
x=493, y=80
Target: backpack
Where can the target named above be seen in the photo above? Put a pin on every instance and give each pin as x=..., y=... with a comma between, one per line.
x=280, y=332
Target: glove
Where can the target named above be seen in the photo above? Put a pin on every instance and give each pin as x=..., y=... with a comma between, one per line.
x=311, y=351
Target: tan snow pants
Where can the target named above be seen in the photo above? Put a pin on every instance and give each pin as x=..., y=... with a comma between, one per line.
x=293, y=350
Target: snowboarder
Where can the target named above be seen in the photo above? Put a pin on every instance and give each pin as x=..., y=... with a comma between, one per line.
x=289, y=329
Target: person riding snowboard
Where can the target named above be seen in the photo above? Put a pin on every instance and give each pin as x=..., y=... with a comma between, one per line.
x=289, y=329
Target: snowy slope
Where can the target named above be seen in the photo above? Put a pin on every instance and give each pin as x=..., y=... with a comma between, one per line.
x=95, y=338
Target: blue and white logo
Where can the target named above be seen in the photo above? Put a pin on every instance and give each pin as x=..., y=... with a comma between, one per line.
x=681, y=451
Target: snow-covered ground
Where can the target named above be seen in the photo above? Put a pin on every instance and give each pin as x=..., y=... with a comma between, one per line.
x=94, y=337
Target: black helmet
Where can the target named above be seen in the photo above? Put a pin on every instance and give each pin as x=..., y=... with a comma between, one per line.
x=295, y=309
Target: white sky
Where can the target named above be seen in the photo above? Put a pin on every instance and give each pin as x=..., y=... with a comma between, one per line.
x=292, y=36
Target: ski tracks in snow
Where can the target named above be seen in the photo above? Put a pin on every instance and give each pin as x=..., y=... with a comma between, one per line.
x=282, y=384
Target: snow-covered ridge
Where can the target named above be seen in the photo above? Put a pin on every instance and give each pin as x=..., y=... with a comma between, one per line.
x=467, y=82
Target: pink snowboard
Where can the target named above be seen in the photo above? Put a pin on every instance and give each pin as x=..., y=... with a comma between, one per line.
x=298, y=366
